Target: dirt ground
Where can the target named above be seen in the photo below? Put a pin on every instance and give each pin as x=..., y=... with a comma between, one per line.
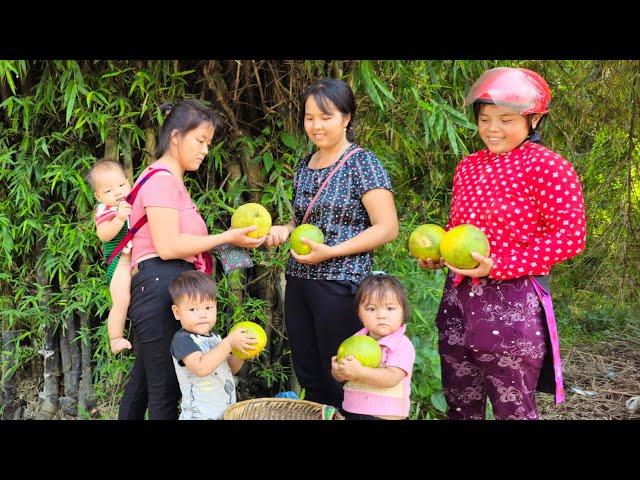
x=599, y=379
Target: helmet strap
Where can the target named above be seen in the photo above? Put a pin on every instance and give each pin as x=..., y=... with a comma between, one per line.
x=534, y=134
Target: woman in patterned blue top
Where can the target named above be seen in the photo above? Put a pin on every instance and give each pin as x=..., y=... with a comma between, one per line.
x=356, y=213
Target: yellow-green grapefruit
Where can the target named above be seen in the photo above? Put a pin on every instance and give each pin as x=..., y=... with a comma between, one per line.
x=424, y=242
x=252, y=214
x=255, y=330
x=458, y=243
x=308, y=231
x=362, y=347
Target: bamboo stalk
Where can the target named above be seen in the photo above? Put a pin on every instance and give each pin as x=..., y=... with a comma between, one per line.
x=253, y=171
x=85, y=387
x=74, y=348
x=4, y=91
x=218, y=87
x=8, y=392
x=66, y=401
x=85, y=391
x=150, y=147
x=126, y=153
x=259, y=82
x=111, y=146
x=51, y=389
x=281, y=283
x=337, y=68
x=50, y=350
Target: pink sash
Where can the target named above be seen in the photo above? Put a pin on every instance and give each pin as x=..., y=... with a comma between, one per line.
x=547, y=304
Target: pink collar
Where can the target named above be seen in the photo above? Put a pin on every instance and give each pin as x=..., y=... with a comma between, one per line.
x=391, y=340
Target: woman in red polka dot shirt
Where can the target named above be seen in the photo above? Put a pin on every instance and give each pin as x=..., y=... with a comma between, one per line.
x=497, y=331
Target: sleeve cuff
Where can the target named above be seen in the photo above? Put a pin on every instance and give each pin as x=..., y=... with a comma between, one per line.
x=496, y=272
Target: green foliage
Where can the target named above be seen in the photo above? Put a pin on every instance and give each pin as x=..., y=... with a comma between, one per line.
x=58, y=117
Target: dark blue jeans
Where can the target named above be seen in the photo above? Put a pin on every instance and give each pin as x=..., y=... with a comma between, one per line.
x=152, y=382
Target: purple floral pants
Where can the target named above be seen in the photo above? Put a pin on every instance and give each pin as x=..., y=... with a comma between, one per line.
x=491, y=342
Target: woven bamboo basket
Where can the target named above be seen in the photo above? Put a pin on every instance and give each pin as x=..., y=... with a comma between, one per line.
x=276, y=409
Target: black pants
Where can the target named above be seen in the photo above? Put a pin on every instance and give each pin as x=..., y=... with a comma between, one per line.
x=319, y=315
x=152, y=381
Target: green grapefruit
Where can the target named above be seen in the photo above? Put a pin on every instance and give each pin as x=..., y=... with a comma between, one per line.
x=424, y=242
x=362, y=347
x=458, y=243
x=255, y=330
x=308, y=231
x=252, y=214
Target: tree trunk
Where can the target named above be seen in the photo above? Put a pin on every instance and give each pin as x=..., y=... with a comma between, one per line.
x=50, y=350
x=51, y=389
x=85, y=393
x=8, y=392
x=150, y=147
x=337, y=68
x=82, y=364
x=4, y=91
x=280, y=285
x=630, y=278
x=236, y=279
x=74, y=348
x=66, y=401
x=264, y=290
x=111, y=147
x=126, y=153
x=70, y=354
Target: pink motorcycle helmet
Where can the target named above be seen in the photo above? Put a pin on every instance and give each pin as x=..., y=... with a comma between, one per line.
x=520, y=89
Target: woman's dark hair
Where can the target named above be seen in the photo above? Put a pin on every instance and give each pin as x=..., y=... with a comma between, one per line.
x=183, y=117
x=375, y=286
x=534, y=133
x=339, y=93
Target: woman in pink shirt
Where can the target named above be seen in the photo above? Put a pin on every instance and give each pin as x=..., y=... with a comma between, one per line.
x=497, y=330
x=174, y=240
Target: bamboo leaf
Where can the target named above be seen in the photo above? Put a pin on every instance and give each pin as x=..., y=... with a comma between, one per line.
x=366, y=72
x=44, y=147
x=425, y=125
x=452, y=137
x=383, y=89
x=439, y=125
x=115, y=73
x=70, y=103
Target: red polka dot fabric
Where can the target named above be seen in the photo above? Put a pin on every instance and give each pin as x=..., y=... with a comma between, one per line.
x=527, y=201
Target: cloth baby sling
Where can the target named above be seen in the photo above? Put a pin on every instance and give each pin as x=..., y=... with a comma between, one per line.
x=109, y=246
